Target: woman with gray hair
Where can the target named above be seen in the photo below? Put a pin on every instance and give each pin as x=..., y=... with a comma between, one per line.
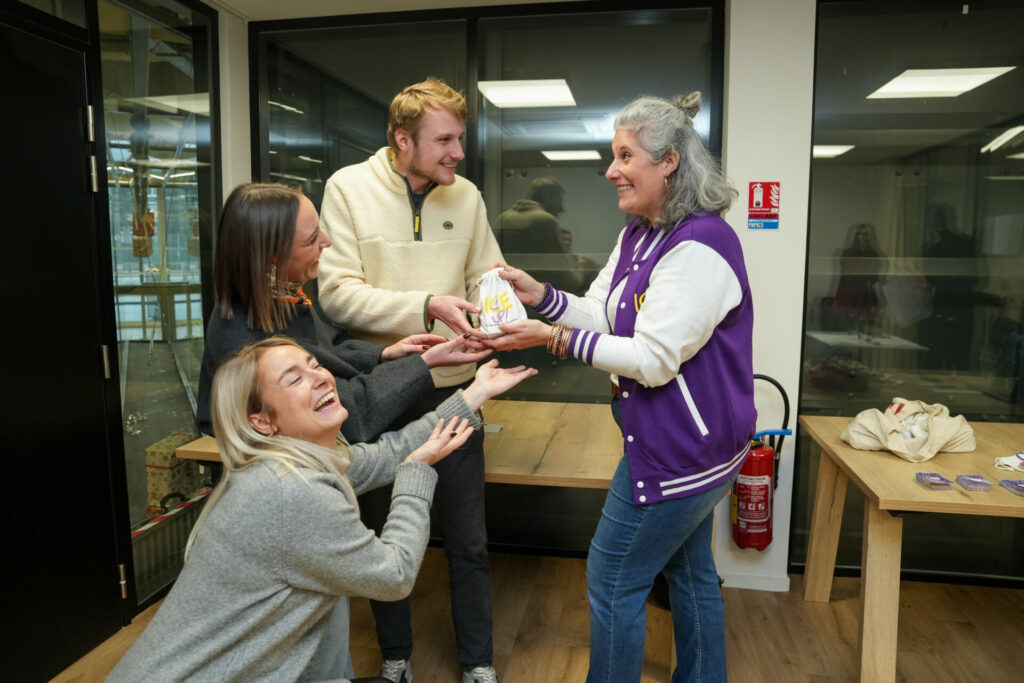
x=670, y=316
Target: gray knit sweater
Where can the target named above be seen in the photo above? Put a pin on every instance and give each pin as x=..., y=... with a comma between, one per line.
x=275, y=554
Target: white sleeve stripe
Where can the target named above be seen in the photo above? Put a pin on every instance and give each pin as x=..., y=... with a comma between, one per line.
x=657, y=239
x=577, y=343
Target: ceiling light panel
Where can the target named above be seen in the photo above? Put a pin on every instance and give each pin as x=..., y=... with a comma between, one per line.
x=539, y=93
x=572, y=155
x=937, y=82
x=829, y=151
x=1002, y=139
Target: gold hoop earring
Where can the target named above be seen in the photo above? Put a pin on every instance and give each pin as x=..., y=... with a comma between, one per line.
x=667, y=188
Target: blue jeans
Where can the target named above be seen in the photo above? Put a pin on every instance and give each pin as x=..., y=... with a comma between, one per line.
x=632, y=544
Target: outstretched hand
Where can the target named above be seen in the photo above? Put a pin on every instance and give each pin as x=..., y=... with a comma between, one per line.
x=522, y=334
x=414, y=343
x=529, y=291
x=454, y=352
x=442, y=441
x=491, y=381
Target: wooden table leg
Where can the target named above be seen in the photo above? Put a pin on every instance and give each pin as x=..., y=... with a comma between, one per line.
x=879, y=594
x=829, y=497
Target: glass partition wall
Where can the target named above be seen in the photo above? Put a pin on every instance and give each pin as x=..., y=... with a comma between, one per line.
x=321, y=103
x=157, y=68
x=324, y=108
x=916, y=244
x=549, y=161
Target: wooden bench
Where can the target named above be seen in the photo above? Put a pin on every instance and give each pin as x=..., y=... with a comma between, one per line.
x=538, y=444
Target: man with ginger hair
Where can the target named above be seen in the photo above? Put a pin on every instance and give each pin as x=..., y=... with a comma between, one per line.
x=410, y=239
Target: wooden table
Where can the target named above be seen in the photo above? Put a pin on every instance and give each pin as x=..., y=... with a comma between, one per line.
x=888, y=484
x=539, y=444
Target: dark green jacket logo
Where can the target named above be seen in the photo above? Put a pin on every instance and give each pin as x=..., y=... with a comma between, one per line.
x=447, y=225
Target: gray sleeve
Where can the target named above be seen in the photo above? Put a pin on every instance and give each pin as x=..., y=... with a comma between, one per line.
x=326, y=547
x=373, y=464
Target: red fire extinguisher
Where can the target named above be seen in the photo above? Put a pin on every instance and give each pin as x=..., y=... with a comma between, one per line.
x=753, y=493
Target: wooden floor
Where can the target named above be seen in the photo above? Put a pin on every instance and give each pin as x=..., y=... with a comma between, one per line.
x=946, y=632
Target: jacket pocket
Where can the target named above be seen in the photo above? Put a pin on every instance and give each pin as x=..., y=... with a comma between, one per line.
x=691, y=405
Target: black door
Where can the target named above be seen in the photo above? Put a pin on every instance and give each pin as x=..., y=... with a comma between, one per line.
x=60, y=591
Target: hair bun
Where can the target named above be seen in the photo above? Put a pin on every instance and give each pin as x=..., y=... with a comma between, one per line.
x=688, y=103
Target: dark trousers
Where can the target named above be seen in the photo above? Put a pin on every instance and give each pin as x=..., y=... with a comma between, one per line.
x=459, y=498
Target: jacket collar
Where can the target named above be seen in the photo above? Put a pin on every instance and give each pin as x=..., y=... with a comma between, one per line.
x=392, y=177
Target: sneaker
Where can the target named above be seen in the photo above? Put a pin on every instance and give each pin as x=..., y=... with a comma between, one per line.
x=480, y=674
x=397, y=670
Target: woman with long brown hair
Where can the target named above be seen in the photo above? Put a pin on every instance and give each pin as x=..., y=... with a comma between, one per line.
x=268, y=245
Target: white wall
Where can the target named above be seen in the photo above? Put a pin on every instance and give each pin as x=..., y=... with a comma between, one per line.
x=236, y=157
x=769, y=78
x=767, y=136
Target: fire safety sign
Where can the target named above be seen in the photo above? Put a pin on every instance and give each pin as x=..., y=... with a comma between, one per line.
x=763, y=206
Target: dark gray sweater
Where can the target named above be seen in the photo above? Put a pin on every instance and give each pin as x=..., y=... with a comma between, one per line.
x=374, y=393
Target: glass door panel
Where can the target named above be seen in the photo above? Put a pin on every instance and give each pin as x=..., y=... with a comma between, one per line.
x=914, y=280
x=552, y=210
x=157, y=114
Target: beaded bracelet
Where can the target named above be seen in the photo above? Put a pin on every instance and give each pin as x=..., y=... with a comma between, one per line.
x=551, y=337
x=563, y=349
x=558, y=340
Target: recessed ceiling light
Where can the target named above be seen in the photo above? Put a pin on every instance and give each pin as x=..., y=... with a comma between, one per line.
x=937, y=82
x=829, y=151
x=1004, y=177
x=540, y=93
x=1002, y=139
x=195, y=103
x=1016, y=156
x=572, y=155
x=286, y=107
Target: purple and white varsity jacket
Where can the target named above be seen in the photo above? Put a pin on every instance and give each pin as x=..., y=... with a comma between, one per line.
x=681, y=343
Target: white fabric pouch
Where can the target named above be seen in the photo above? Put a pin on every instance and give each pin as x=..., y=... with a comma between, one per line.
x=913, y=430
x=498, y=302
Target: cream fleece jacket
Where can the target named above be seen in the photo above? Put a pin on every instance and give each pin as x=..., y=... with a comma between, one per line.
x=375, y=278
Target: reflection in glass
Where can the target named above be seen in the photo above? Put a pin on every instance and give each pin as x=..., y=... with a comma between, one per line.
x=325, y=110
x=68, y=10
x=914, y=283
x=559, y=220
x=157, y=123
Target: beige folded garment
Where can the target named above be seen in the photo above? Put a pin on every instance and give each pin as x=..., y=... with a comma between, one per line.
x=873, y=430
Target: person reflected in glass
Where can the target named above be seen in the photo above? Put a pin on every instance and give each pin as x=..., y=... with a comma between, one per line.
x=566, y=237
x=587, y=265
x=861, y=267
x=952, y=274
x=529, y=235
x=671, y=316
x=280, y=545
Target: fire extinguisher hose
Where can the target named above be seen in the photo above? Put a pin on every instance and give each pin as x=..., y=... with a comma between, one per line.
x=772, y=433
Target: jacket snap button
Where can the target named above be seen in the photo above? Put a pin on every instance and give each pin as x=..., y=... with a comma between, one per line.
x=643, y=499
x=639, y=484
